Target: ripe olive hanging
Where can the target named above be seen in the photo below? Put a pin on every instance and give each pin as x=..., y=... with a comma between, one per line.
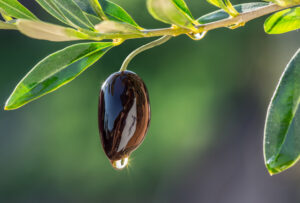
x=124, y=116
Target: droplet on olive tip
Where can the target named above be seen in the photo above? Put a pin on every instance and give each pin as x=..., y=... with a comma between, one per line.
x=123, y=116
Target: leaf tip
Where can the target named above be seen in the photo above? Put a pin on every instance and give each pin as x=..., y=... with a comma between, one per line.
x=275, y=168
x=11, y=105
x=8, y=106
x=271, y=170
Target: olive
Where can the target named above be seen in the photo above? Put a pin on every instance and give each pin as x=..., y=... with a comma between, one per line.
x=123, y=115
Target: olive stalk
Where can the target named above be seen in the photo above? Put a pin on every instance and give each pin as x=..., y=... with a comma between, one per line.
x=144, y=48
x=241, y=19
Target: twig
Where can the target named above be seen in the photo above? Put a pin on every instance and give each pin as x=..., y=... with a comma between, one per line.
x=238, y=20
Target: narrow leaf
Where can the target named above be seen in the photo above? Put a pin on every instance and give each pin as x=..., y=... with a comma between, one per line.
x=47, y=31
x=98, y=9
x=221, y=14
x=5, y=16
x=282, y=130
x=117, y=27
x=283, y=21
x=56, y=70
x=112, y=11
x=225, y=5
x=85, y=6
x=183, y=7
x=7, y=26
x=73, y=13
x=92, y=18
x=88, y=11
x=169, y=12
x=14, y=9
x=52, y=9
x=116, y=12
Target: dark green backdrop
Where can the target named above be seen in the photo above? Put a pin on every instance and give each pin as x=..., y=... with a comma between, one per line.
x=208, y=102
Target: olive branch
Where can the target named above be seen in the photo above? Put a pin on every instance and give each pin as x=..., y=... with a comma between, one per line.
x=106, y=25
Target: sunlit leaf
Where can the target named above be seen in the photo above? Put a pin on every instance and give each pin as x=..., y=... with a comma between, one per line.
x=225, y=5
x=220, y=14
x=282, y=130
x=98, y=9
x=14, y=9
x=52, y=9
x=183, y=7
x=115, y=12
x=72, y=12
x=116, y=27
x=85, y=6
x=5, y=16
x=112, y=11
x=47, y=31
x=169, y=12
x=93, y=19
x=56, y=70
x=283, y=21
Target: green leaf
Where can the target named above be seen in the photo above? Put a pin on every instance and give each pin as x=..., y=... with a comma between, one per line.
x=47, y=31
x=85, y=5
x=115, y=12
x=7, y=26
x=92, y=18
x=283, y=21
x=170, y=12
x=282, y=130
x=221, y=14
x=183, y=7
x=225, y=5
x=14, y=9
x=72, y=12
x=5, y=16
x=98, y=9
x=56, y=70
x=52, y=9
x=112, y=10
x=110, y=26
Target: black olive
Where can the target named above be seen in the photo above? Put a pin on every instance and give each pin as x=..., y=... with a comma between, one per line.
x=124, y=115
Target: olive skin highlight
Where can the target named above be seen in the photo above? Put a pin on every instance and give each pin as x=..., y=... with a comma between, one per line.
x=123, y=114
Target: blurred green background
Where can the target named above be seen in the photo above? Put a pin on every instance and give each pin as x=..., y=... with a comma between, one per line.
x=208, y=101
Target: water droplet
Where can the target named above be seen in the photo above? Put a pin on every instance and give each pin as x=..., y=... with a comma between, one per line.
x=236, y=25
x=120, y=164
x=197, y=36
